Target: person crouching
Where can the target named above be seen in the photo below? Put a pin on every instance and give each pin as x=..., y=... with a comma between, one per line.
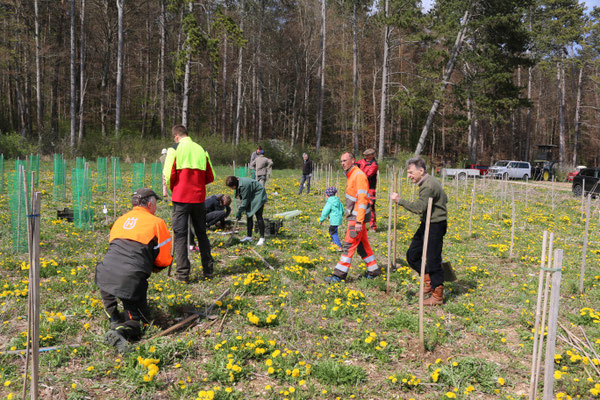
x=140, y=244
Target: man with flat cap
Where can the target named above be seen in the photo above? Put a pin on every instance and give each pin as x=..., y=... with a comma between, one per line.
x=140, y=244
x=369, y=166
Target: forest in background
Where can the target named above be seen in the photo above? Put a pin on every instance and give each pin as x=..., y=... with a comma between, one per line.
x=469, y=80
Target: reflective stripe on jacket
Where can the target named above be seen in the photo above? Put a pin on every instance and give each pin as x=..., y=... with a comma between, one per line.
x=357, y=196
x=187, y=171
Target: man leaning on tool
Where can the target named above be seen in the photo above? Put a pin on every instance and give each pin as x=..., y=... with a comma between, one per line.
x=369, y=166
x=187, y=171
x=429, y=186
x=140, y=244
x=358, y=211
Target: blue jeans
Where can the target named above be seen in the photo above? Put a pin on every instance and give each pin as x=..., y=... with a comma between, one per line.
x=305, y=178
x=333, y=234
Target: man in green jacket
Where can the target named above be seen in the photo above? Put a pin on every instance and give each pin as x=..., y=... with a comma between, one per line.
x=253, y=198
x=428, y=187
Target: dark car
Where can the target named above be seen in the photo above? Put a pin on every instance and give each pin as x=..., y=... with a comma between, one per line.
x=586, y=180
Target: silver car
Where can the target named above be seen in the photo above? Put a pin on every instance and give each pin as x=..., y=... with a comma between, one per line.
x=508, y=169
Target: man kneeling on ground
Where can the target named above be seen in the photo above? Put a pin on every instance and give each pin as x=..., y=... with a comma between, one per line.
x=217, y=209
x=140, y=244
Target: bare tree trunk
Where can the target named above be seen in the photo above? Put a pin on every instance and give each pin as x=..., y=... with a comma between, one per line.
x=38, y=76
x=577, y=116
x=163, y=21
x=54, y=91
x=146, y=80
x=224, y=93
x=473, y=131
x=354, y=80
x=72, y=61
x=259, y=72
x=186, y=78
x=561, y=111
x=238, y=110
x=374, y=96
x=319, y=127
x=528, y=116
x=445, y=80
x=383, y=106
x=82, y=84
x=120, y=6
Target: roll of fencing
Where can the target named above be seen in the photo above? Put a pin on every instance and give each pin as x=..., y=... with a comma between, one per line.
x=101, y=174
x=18, y=210
x=60, y=179
x=83, y=212
x=137, y=178
x=157, y=177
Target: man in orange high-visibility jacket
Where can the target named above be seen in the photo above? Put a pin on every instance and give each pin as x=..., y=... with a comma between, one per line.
x=140, y=244
x=357, y=213
x=187, y=171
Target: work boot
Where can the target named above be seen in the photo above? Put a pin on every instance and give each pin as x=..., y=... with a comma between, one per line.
x=427, y=287
x=114, y=338
x=331, y=279
x=367, y=275
x=437, y=297
x=116, y=319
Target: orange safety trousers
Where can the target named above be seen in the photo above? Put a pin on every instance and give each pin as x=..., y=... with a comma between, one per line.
x=356, y=242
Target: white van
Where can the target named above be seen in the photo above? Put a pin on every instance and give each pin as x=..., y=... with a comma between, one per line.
x=506, y=169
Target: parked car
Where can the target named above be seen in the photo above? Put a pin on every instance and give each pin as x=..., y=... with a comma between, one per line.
x=573, y=174
x=508, y=169
x=587, y=180
x=460, y=173
x=483, y=169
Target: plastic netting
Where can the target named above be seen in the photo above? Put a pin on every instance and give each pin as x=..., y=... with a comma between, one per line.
x=83, y=212
x=137, y=178
x=241, y=172
x=101, y=171
x=115, y=163
x=18, y=208
x=60, y=178
x=157, y=177
x=33, y=165
x=2, y=173
x=80, y=162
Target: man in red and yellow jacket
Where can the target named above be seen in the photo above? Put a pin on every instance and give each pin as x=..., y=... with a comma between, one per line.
x=187, y=171
x=358, y=212
x=140, y=244
x=369, y=166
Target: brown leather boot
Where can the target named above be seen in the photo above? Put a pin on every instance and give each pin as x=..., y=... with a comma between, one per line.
x=427, y=287
x=437, y=297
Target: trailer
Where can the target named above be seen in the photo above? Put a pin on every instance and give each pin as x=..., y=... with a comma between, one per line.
x=461, y=173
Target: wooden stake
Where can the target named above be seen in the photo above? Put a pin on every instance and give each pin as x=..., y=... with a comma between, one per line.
x=582, y=196
x=395, y=235
x=472, y=205
x=537, y=315
x=512, y=229
x=552, y=326
x=540, y=333
x=114, y=160
x=585, y=243
x=553, y=178
x=422, y=280
x=389, y=240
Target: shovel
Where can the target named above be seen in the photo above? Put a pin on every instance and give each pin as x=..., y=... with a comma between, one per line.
x=229, y=241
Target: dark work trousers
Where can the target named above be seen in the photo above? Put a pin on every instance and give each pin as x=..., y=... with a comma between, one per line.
x=180, y=229
x=433, y=266
x=259, y=220
x=305, y=178
x=215, y=216
x=135, y=312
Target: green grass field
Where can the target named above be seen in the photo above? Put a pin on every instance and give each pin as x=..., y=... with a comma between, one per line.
x=285, y=334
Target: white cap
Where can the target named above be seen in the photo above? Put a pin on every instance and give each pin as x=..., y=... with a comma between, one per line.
x=163, y=151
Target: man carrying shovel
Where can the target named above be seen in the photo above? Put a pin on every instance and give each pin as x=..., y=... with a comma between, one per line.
x=428, y=187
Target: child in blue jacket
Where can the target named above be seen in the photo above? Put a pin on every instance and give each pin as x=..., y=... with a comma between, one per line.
x=334, y=209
